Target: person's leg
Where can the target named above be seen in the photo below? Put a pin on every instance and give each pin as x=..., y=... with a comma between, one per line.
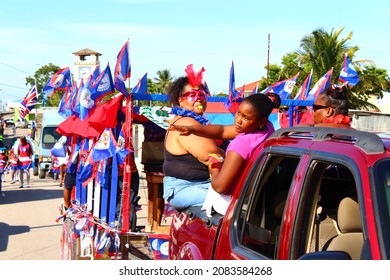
x=28, y=177
x=134, y=198
x=67, y=197
x=13, y=179
x=21, y=171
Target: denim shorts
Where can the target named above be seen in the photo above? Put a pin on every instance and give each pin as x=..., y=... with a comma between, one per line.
x=183, y=193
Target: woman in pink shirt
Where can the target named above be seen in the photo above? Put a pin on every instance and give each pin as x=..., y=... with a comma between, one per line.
x=251, y=128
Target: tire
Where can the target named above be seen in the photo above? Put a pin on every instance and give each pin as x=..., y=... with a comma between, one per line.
x=68, y=241
x=42, y=174
x=35, y=171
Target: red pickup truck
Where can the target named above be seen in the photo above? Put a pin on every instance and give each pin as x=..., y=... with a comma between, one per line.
x=307, y=193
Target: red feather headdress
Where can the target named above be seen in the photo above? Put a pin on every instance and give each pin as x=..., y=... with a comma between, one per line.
x=194, y=79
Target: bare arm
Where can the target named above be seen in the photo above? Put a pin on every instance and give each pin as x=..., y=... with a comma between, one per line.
x=199, y=147
x=211, y=131
x=224, y=175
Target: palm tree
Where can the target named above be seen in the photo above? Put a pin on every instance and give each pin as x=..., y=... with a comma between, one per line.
x=322, y=51
x=163, y=80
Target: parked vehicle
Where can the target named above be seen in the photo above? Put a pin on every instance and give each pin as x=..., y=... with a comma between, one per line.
x=9, y=122
x=47, y=138
x=307, y=193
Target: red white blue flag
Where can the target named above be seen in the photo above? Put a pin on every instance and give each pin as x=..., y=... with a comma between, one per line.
x=31, y=98
x=103, y=85
x=122, y=69
x=28, y=103
x=59, y=81
x=121, y=150
x=285, y=87
x=305, y=87
x=105, y=147
x=85, y=102
x=348, y=73
x=323, y=83
x=234, y=94
x=142, y=85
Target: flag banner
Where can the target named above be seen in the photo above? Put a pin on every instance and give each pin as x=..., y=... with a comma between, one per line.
x=85, y=103
x=105, y=147
x=121, y=150
x=305, y=87
x=285, y=87
x=65, y=106
x=59, y=81
x=348, y=73
x=31, y=98
x=103, y=85
x=60, y=147
x=322, y=84
x=142, y=85
x=234, y=94
x=96, y=72
x=122, y=69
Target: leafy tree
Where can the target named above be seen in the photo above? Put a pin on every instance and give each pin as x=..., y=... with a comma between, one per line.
x=163, y=80
x=41, y=76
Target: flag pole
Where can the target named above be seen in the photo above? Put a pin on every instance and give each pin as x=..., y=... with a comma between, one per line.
x=127, y=166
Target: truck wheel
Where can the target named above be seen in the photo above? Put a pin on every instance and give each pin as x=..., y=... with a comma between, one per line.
x=35, y=171
x=68, y=241
x=42, y=174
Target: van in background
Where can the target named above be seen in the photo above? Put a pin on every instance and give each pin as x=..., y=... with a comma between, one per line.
x=47, y=125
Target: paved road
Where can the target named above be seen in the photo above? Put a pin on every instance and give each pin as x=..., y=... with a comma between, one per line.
x=28, y=227
x=28, y=230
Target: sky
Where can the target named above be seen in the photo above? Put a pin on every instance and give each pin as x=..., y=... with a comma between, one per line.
x=170, y=34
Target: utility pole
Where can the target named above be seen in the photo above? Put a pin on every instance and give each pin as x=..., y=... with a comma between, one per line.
x=269, y=43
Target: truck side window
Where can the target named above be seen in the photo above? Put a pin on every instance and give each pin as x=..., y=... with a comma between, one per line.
x=327, y=184
x=264, y=203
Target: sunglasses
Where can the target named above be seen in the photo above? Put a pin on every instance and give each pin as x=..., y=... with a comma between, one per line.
x=318, y=107
x=194, y=95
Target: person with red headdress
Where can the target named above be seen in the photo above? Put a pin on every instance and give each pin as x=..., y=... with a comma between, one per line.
x=186, y=175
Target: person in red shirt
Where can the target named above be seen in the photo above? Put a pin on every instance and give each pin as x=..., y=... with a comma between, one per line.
x=25, y=153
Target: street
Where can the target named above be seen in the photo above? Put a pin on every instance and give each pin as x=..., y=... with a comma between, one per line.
x=28, y=227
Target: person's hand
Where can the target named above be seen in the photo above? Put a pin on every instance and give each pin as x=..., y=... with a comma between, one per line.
x=215, y=162
x=183, y=129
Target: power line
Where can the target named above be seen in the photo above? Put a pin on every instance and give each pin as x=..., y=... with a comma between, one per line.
x=13, y=86
x=15, y=68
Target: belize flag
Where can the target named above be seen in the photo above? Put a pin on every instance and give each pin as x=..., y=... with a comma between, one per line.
x=103, y=85
x=285, y=87
x=122, y=69
x=59, y=81
x=305, y=87
x=348, y=73
x=105, y=147
x=121, y=150
x=322, y=84
x=234, y=94
x=142, y=85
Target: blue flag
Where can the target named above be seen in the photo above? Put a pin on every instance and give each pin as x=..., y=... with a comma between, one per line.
x=285, y=87
x=234, y=94
x=85, y=102
x=323, y=83
x=122, y=69
x=305, y=88
x=59, y=81
x=142, y=85
x=348, y=74
x=103, y=85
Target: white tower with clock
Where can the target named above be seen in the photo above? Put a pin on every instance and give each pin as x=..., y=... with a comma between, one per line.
x=85, y=62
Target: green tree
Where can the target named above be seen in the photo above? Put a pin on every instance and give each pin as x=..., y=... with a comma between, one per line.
x=163, y=80
x=322, y=51
x=41, y=76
